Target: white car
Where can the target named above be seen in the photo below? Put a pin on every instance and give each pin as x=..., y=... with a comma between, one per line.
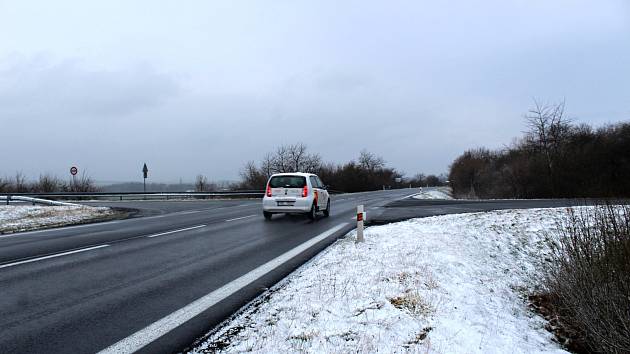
x=302, y=193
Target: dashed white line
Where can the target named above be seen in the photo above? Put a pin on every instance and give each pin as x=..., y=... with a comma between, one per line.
x=161, y=327
x=51, y=256
x=178, y=230
x=242, y=217
x=190, y=212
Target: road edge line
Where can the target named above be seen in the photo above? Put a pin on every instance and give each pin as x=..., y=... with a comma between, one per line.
x=157, y=329
x=7, y=265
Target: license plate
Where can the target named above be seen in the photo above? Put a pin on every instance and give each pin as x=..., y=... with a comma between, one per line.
x=285, y=203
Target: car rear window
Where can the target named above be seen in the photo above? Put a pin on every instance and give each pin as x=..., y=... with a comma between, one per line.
x=287, y=182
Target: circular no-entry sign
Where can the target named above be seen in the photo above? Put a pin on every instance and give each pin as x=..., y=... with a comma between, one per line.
x=74, y=170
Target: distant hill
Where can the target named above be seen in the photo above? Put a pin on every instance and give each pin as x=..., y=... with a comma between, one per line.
x=151, y=187
x=124, y=187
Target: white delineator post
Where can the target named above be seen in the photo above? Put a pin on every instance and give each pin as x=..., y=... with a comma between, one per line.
x=360, y=216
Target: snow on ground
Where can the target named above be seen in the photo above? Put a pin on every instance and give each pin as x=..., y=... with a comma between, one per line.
x=15, y=218
x=447, y=284
x=438, y=193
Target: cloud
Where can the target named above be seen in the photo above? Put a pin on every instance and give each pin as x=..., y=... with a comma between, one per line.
x=39, y=87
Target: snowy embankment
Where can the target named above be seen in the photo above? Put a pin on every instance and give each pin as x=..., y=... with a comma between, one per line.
x=447, y=284
x=437, y=193
x=16, y=218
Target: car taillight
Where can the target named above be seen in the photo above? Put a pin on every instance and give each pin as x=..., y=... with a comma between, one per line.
x=305, y=191
x=269, y=191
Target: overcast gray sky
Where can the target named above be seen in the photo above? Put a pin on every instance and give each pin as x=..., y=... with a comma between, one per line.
x=195, y=87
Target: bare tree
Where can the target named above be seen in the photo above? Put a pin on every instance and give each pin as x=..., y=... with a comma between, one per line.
x=370, y=161
x=267, y=165
x=290, y=158
x=548, y=131
x=47, y=183
x=20, y=183
x=252, y=176
x=296, y=154
x=201, y=183
x=5, y=185
x=84, y=183
x=281, y=160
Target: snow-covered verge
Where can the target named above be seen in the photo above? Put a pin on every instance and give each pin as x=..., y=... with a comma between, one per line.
x=438, y=193
x=447, y=284
x=16, y=218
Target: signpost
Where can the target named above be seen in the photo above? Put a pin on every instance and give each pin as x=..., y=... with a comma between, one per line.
x=145, y=173
x=73, y=171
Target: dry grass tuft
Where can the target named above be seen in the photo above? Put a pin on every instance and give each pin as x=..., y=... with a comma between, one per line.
x=413, y=302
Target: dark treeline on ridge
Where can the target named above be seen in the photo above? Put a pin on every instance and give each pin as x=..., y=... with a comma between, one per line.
x=555, y=158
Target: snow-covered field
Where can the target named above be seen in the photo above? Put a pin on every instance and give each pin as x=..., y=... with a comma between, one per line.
x=439, y=193
x=15, y=218
x=447, y=284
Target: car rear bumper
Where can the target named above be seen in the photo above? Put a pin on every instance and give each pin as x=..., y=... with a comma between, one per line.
x=301, y=205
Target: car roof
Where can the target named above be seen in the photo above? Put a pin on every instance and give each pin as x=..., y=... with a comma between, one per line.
x=293, y=174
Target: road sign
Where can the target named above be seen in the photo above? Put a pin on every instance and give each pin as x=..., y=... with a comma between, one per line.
x=74, y=171
x=145, y=173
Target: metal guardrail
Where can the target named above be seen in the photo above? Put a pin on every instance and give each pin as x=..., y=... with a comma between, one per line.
x=139, y=195
x=133, y=195
x=34, y=201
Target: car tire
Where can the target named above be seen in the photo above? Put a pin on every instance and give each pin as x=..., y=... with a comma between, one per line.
x=267, y=215
x=327, y=210
x=313, y=213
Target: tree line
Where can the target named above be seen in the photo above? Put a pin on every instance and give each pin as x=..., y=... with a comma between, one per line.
x=47, y=183
x=368, y=172
x=555, y=158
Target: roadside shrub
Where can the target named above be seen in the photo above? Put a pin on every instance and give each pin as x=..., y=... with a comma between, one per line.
x=588, y=278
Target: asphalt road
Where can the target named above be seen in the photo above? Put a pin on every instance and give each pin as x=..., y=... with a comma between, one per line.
x=172, y=275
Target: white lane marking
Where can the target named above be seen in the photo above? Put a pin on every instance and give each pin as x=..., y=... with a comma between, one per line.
x=190, y=212
x=242, y=217
x=161, y=327
x=51, y=256
x=195, y=211
x=410, y=195
x=174, y=231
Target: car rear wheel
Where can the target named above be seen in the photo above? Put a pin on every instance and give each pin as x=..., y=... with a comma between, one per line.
x=327, y=210
x=267, y=215
x=313, y=213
